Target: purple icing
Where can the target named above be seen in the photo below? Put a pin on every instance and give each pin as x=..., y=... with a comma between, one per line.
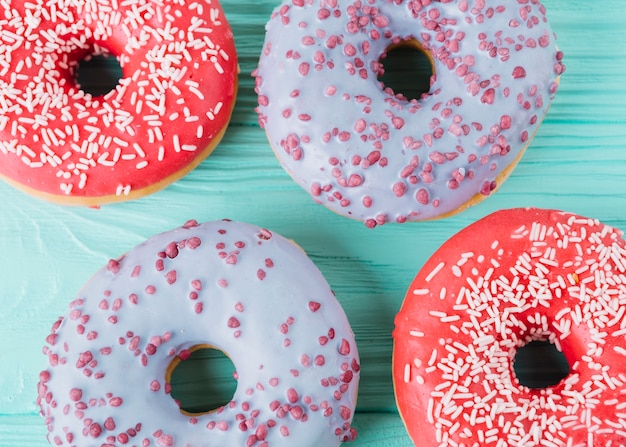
x=374, y=156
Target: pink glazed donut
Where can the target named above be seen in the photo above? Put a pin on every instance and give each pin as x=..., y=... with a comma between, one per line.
x=511, y=278
x=372, y=155
x=233, y=286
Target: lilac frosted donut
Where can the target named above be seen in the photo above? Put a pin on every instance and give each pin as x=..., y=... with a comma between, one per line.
x=239, y=288
x=375, y=156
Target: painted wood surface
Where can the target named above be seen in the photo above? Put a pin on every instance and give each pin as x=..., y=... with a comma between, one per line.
x=577, y=162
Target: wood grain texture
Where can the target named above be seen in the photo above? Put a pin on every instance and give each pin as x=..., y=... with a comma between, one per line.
x=577, y=162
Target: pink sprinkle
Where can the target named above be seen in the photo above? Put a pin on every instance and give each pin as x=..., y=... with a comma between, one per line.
x=316, y=189
x=437, y=157
x=165, y=441
x=314, y=306
x=193, y=242
x=519, y=72
x=347, y=376
x=489, y=96
x=191, y=223
x=171, y=250
x=171, y=276
x=84, y=359
x=113, y=266
x=184, y=354
x=360, y=125
x=397, y=122
x=265, y=234
x=505, y=122
x=233, y=322
x=261, y=432
x=150, y=290
x=355, y=180
x=134, y=343
x=320, y=360
x=399, y=189
x=95, y=430
x=76, y=394
x=292, y=395
x=304, y=68
x=488, y=187
x=155, y=385
x=345, y=412
x=109, y=424
x=344, y=349
x=296, y=412
x=422, y=196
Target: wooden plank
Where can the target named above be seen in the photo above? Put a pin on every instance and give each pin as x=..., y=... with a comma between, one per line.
x=374, y=430
x=576, y=162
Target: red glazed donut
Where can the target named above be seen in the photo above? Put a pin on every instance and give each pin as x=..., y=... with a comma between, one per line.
x=168, y=112
x=237, y=287
x=513, y=277
x=372, y=155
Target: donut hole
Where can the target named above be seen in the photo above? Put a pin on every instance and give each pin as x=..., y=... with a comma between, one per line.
x=203, y=382
x=98, y=74
x=405, y=70
x=539, y=364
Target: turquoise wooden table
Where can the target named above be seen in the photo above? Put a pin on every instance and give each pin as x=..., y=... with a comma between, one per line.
x=577, y=162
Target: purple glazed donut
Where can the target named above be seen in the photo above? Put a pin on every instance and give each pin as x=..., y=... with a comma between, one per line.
x=372, y=155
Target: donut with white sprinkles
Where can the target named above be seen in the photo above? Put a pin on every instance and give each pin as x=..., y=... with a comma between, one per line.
x=373, y=155
x=511, y=278
x=167, y=113
x=233, y=286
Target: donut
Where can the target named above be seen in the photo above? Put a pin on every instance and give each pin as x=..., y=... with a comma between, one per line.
x=514, y=277
x=232, y=286
x=369, y=153
x=167, y=113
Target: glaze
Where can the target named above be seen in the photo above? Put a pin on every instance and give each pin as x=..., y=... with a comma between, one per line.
x=167, y=113
x=513, y=277
x=371, y=155
x=250, y=293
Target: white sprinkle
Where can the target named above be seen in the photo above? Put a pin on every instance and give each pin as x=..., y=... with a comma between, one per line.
x=434, y=272
x=619, y=350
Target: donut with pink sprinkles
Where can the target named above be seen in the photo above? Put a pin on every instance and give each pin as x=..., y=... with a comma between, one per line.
x=369, y=153
x=233, y=286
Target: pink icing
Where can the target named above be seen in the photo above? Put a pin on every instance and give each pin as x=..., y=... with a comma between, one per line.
x=515, y=276
x=374, y=156
x=174, y=99
x=287, y=335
